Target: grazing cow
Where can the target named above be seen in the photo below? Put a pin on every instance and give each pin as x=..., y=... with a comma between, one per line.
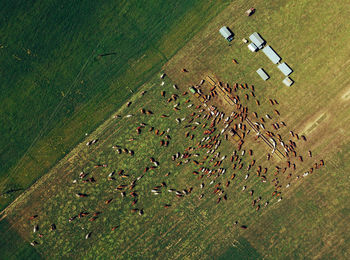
x=72, y=218
x=114, y=228
x=310, y=153
x=88, y=235
x=93, y=219
x=36, y=228
x=34, y=243
x=33, y=217
x=81, y=195
x=52, y=227
x=244, y=227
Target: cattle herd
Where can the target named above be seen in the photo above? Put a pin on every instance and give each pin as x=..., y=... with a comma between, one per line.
x=206, y=128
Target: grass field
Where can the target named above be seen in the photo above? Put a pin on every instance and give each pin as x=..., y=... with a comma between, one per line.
x=136, y=235
x=54, y=85
x=310, y=221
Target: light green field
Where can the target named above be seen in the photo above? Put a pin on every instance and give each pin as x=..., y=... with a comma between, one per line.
x=310, y=36
x=310, y=221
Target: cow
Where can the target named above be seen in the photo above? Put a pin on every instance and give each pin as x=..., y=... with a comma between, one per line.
x=33, y=217
x=114, y=228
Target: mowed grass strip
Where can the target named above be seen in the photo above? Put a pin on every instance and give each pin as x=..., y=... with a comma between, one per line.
x=66, y=66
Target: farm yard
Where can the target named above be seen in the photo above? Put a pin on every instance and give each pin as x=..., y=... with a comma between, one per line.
x=168, y=176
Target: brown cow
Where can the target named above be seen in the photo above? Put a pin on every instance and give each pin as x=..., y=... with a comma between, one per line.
x=310, y=153
x=114, y=228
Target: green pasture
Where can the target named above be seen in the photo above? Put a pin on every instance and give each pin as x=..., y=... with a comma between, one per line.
x=310, y=37
x=312, y=219
x=205, y=227
x=12, y=245
x=54, y=85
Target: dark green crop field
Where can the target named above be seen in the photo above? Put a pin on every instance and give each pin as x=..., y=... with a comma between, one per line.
x=66, y=65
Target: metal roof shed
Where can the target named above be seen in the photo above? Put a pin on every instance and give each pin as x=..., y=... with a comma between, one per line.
x=286, y=70
x=271, y=54
x=252, y=47
x=257, y=40
x=225, y=31
x=263, y=74
x=288, y=82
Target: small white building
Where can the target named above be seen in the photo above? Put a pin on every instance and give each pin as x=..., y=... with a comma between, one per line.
x=252, y=47
x=257, y=40
x=263, y=74
x=286, y=70
x=226, y=33
x=271, y=54
x=288, y=82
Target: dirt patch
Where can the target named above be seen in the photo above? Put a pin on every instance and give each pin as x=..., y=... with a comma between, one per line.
x=311, y=126
x=346, y=95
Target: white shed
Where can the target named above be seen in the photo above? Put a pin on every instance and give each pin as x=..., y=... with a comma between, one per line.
x=263, y=74
x=252, y=47
x=288, y=82
x=271, y=54
x=257, y=40
x=286, y=70
x=226, y=33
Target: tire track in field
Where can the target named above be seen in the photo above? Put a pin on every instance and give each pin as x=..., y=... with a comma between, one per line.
x=44, y=128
